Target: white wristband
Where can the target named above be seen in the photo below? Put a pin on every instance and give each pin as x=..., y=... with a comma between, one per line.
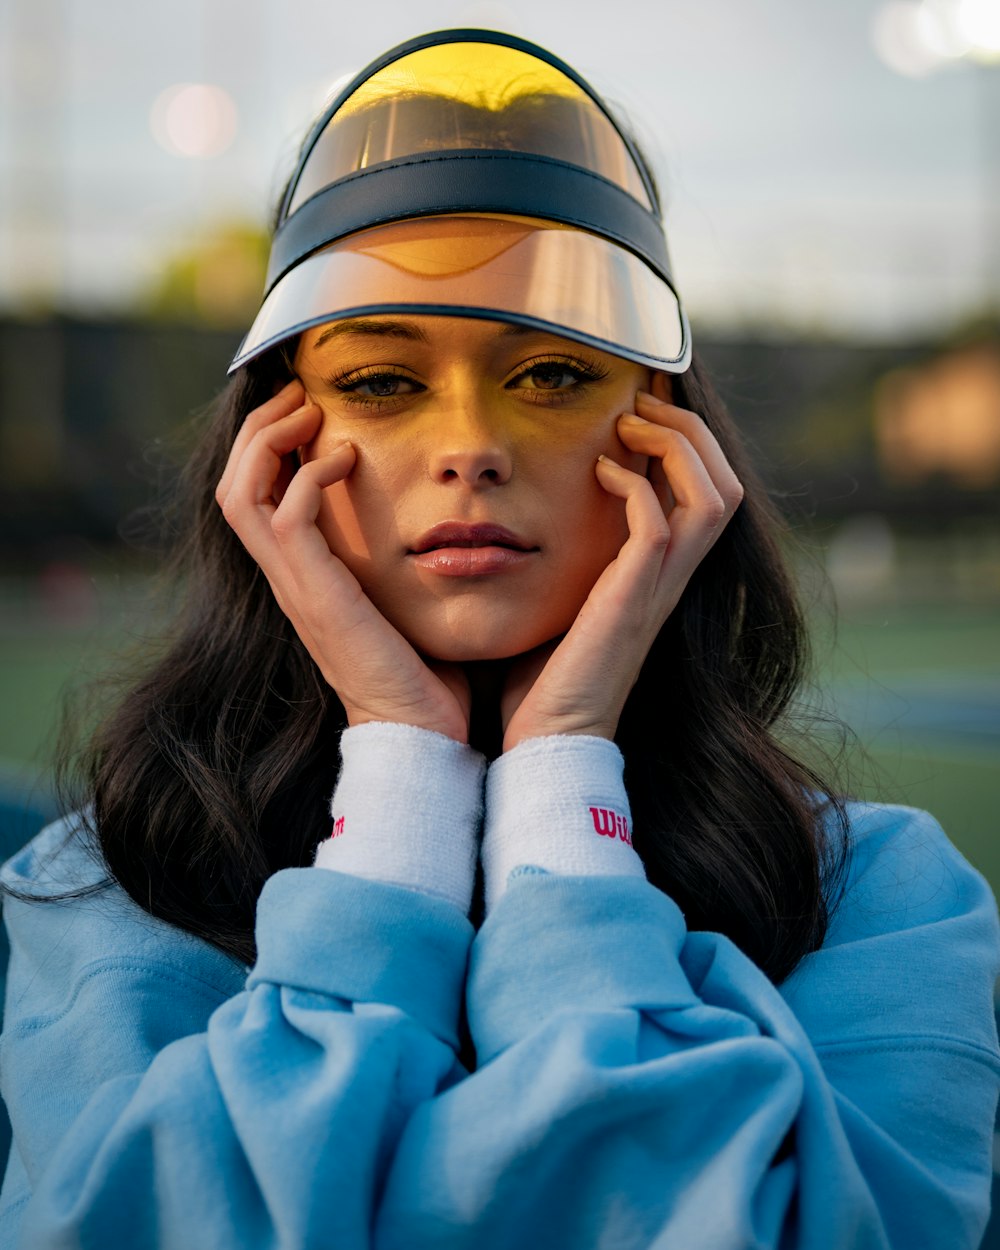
x=407, y=810
x=557, y=803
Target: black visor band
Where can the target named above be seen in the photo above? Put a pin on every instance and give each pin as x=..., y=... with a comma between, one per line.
x=452, y=181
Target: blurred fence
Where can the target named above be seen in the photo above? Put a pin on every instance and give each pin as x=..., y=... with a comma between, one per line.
x=91, y=412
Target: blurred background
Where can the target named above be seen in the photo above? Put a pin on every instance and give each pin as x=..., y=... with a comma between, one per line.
x=832, y=181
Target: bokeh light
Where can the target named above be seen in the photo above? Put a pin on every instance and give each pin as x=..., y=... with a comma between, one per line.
x=194, y=120
x=939, y=31
x=915, y=37
x=903, y=38
x=979, y=22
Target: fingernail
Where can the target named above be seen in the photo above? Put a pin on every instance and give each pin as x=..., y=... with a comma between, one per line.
x=608, y=460
x=632, y=419
x=650, y=399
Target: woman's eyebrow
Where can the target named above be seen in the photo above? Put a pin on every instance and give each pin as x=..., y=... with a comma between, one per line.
x=511, y=329
x=371, y=326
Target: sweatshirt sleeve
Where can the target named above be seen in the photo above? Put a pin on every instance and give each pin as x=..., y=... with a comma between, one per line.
x=154, y=1102
x=643, y=1085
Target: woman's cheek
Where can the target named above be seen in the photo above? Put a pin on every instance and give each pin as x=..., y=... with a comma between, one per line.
x=341, y=518
x=621, y=454
x=358, y=516
x=341, y=526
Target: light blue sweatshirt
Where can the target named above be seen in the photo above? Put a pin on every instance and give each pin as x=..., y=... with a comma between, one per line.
x=638, y=1085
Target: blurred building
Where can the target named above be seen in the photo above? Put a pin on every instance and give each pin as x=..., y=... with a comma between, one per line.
x=942, y=419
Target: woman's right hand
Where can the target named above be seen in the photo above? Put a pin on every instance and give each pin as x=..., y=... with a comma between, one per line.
x=273, y=506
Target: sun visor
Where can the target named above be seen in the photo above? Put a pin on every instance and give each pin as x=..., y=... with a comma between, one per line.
x=467, y=97
x=497, y=268
x=471, y=173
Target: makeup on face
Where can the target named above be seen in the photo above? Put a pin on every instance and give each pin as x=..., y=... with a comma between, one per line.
x=473, y=517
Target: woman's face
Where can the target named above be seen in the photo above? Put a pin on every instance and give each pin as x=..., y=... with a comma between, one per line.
x=473, y=517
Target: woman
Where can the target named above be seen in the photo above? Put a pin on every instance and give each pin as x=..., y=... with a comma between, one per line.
x=469, y=509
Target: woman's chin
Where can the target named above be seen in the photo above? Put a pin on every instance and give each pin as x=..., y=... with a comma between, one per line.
x=469, y=646
x=473, y=627
x=464, y=651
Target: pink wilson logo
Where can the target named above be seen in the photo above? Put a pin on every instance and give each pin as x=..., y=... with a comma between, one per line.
x=338, y=827
x=610, y=824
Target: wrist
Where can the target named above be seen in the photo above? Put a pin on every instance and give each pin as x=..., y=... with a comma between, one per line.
x=515, y=737
x=557, y=803
x=407, y=810
x=453, y=727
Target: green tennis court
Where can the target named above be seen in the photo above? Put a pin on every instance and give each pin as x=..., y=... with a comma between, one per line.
x=920, y=686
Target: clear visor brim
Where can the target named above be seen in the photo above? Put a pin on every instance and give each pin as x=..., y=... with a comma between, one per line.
x=513, y=269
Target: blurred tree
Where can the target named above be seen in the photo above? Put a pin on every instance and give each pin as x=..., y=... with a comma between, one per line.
x=217, y=283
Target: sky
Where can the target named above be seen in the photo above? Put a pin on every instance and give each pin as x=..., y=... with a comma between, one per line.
x=807, y=184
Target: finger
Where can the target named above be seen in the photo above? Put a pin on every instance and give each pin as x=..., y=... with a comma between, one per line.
x=661, y=387
x=649, y=533
x=585, y=682
x=304, y=497
x=287, y=400
x=258, y=467
x=653, y=439
x=312, y=587
x=679, y=456
x=587, y=676
x=695, y=521
x=303, y=547
x=694, y=429
x=639, y=433
x=249, y=504
x=660, y=442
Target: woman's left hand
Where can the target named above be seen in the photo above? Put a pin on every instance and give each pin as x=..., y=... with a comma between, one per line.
x=580, y=685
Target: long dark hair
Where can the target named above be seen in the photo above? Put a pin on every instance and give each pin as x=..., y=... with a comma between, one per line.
x=216, y=768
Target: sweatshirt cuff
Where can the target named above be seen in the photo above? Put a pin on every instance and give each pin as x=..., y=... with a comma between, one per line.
x=407, y=810
x=363, y=942
x=557, y=804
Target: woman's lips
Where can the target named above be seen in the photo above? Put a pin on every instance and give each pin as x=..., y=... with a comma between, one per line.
x=455, y=549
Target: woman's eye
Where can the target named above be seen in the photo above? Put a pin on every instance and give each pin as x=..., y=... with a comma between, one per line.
x=554, y=376
x=371, y=390
x=380, y=386
x=550, y=377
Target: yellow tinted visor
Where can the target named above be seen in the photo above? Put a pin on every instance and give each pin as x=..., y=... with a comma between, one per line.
x=498, y=268
x=468, y=96
x=469, y=173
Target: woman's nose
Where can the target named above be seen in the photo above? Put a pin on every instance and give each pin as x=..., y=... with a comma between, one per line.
x=469, y=450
